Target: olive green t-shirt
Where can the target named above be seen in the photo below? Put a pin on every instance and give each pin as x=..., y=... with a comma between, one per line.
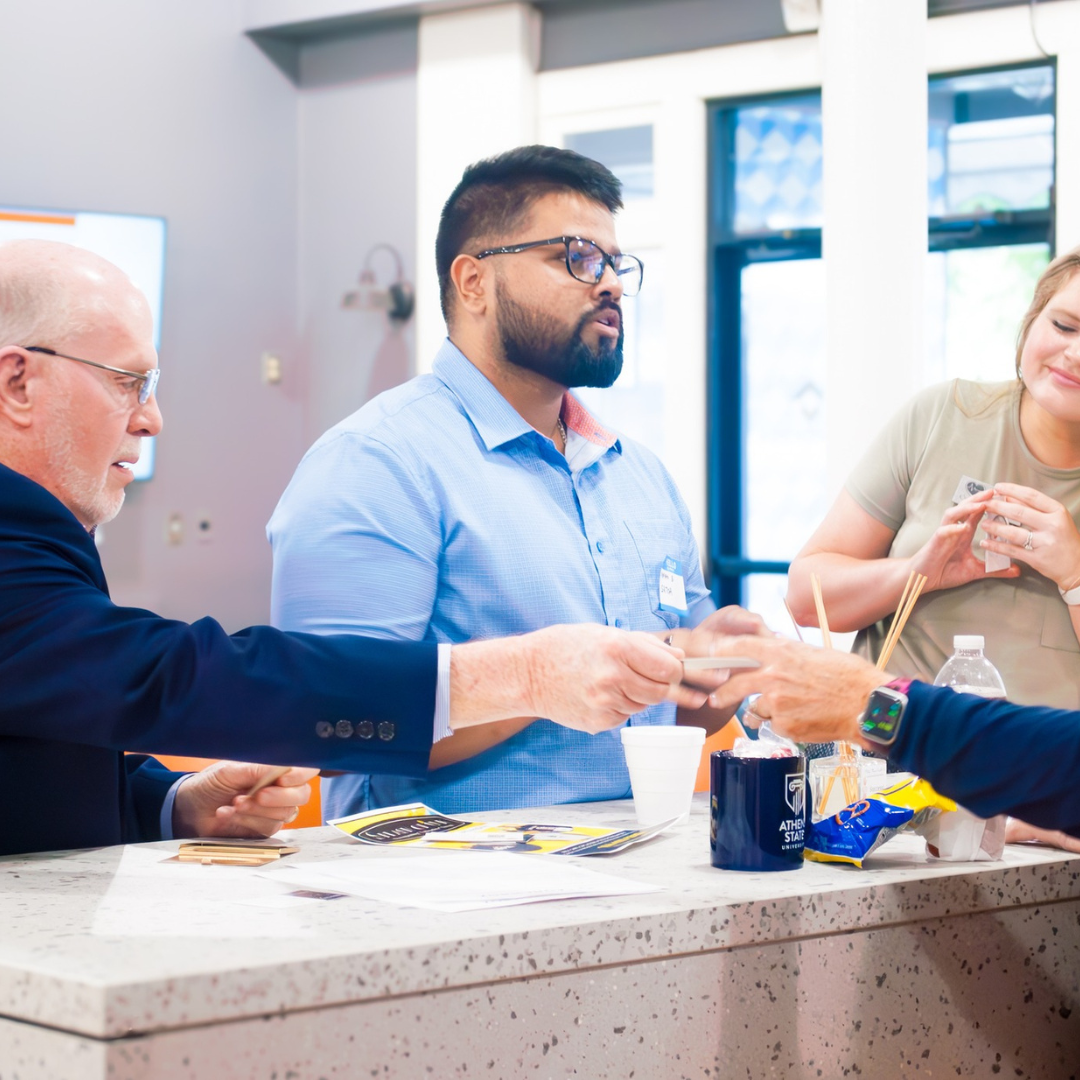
x=907, y=481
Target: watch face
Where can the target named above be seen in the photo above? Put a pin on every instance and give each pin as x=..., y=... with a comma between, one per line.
x=881, y=720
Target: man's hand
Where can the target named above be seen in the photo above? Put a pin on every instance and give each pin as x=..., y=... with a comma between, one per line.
x=213, y=803
x=593, y=677
x=583, y=676
x=700, y=641
x=810, y=694
x=728, y=622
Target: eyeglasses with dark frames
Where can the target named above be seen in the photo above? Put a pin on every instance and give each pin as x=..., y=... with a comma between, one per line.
x=585, y=261
x=147, y=379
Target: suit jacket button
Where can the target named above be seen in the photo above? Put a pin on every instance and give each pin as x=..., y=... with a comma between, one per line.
x=365, y=729
x=343, y=729
x=387, y=730
x=324, y=729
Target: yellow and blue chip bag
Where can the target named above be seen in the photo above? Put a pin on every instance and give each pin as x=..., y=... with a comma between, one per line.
x=861, y=828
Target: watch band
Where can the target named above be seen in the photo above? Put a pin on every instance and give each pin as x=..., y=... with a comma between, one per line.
x=1071, y=596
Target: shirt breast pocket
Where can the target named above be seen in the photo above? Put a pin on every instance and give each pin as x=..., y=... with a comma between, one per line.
x=1057, y=627
x=654, y=542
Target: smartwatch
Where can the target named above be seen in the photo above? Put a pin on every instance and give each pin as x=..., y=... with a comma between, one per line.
x=881, y=718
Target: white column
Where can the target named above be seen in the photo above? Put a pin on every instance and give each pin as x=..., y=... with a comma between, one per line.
x=476, y=96
x=874, y=118
x=1058, y=26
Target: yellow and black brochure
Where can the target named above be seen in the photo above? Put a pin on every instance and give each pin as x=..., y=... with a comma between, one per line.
x=417, y=825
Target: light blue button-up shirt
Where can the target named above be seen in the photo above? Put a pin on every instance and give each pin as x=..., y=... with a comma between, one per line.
x=437, y=513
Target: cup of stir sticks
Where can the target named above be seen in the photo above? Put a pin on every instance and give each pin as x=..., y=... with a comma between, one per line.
x=836, y=782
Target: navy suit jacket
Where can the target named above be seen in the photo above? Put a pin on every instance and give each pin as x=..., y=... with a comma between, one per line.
x=994, y=757
x=82, y=680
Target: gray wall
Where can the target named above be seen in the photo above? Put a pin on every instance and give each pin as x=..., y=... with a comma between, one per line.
x=273, y=194
x=166, y=108
x=357, y=189
x=578, y=32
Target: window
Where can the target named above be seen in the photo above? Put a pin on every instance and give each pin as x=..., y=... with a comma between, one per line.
x=767, y=381
x=635, y=405
x=991, y=182
x=991, y=174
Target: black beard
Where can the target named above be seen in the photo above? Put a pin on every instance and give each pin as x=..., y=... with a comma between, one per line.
x=535, y=341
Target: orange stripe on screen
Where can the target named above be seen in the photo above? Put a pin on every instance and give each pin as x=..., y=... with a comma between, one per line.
x=38, y=219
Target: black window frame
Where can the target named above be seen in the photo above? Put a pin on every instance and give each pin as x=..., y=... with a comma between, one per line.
x=730, y=253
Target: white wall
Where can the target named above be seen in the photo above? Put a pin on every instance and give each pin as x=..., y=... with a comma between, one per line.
x=476, y=96
x=874, y=102
x=166, y=108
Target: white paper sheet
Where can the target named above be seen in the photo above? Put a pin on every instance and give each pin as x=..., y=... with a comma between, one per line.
x=461, y=881
x=151, y=895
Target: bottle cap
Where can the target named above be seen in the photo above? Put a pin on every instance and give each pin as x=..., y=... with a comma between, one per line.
x=968, y=641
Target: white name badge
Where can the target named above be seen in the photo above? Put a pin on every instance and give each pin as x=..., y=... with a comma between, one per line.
x=672, y=587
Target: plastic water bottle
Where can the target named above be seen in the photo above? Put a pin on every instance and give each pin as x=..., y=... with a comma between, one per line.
x=959, y=835
x=967, y=671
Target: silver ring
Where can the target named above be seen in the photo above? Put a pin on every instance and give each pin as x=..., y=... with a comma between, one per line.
x=1027, y=543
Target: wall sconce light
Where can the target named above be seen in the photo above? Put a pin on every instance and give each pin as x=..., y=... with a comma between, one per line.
x=397, y=299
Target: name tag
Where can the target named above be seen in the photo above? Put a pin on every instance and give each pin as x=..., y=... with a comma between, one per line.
x=672, y=587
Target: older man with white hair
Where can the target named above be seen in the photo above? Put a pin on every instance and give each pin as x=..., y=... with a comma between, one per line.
x=85, y=679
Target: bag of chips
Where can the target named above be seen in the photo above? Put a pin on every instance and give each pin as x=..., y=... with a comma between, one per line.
x=861, y=828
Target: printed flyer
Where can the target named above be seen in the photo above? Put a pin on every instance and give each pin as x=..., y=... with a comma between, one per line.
x=416, y=825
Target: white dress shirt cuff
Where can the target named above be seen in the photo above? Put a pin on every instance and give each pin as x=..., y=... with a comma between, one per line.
x=442, y=696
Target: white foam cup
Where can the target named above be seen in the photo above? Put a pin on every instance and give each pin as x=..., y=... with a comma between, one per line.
x=663, y=763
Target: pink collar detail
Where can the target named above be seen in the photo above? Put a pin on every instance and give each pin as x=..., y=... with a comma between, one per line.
x=577, y=418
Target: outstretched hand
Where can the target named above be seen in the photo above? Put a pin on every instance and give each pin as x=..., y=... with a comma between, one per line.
x=594, y=677
x=810, y=694
x=213, y=803
x=728, y=622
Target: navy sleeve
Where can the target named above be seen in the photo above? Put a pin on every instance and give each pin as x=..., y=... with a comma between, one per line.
x=78, y=669
x=994, y=757
x=147, y=782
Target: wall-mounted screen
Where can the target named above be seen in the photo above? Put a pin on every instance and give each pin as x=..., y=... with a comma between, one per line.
x=134, y=242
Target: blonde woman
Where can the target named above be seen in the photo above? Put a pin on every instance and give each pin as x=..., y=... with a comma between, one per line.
x=902, y=509
x=907, y=507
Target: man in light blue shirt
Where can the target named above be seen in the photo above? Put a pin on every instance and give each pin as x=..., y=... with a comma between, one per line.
x=483, y=499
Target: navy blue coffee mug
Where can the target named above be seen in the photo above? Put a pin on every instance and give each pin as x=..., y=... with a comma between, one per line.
x=757, y=812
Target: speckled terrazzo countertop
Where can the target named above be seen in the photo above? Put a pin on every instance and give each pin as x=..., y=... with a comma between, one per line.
x=92, y=943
